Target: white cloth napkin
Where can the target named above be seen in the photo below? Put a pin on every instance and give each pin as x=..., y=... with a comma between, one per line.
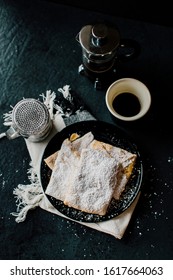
x=32, y=195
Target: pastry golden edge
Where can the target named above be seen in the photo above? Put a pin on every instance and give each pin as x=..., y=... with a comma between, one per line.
x=50, y=160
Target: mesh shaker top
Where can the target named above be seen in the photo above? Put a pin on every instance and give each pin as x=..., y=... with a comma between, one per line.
x=30, y=116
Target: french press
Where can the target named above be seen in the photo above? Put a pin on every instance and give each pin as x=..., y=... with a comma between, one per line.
x=102, y=48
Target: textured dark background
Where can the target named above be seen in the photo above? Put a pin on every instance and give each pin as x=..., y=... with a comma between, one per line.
x=38, y=51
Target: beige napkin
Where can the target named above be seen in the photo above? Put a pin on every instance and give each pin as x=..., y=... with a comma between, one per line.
x=116, y=226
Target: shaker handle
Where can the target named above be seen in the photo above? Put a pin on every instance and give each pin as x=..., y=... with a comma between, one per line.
x=11, y=133
x=128, y=49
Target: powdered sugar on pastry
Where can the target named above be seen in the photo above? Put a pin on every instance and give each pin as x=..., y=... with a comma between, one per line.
x=87, y=173
x=93, y=184
x=83, y=142
x=126, y=160
x=65, y=165
x=78, y=143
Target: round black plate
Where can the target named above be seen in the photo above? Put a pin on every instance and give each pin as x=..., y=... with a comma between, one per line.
x=107, y=133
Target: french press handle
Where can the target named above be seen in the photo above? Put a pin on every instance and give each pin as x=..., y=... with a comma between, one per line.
x=128, y=49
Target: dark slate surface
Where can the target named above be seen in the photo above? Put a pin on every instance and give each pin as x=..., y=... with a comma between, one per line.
x=38, y=51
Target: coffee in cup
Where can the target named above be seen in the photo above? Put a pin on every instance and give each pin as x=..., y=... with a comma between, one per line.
x=128, y=99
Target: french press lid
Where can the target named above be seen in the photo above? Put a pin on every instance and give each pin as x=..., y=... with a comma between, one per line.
x=99, y=39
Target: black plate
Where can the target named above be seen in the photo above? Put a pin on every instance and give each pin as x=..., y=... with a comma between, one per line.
x=107, y=133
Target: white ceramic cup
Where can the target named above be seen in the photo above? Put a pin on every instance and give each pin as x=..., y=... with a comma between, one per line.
x=134, y=87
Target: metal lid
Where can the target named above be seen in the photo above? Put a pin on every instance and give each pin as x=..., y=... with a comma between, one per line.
x=30, y=116
x=99, y=39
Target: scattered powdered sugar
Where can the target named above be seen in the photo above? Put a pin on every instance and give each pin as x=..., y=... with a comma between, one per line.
x=3, y=182
x=170, y=159
x=154, y=201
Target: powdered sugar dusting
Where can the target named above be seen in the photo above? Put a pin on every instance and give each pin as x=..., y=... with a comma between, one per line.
x=65, y=166
x=94, y=182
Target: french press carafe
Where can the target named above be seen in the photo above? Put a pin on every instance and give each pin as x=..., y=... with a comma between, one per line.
x=101, y=49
